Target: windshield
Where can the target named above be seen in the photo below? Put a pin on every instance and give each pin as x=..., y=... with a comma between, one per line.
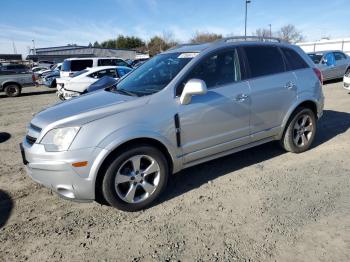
x=316, y=58
x=155, y=74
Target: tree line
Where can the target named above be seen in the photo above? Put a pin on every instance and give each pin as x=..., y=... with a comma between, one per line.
x=160, y=43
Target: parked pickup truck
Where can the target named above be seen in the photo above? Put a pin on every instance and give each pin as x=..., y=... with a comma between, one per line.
x=12, y=83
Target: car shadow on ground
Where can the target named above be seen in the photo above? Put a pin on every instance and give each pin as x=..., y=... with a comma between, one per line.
x=333, y=81
x=6, y=206
x=4, y=136
x=332, y=124
x=32, y=94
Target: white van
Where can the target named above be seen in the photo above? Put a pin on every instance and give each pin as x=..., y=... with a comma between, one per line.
x=72, y=65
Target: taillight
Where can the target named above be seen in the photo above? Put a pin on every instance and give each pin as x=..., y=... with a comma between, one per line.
x=33, y=77
x=319, y=74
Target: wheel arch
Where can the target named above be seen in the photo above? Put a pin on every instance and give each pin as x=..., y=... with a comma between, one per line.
x=5, y=84
x=307, y=103
x=123, y=146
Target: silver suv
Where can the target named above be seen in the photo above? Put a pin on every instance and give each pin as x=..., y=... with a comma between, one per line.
x=188, y=105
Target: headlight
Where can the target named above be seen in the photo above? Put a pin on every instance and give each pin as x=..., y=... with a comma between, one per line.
x=59, y=139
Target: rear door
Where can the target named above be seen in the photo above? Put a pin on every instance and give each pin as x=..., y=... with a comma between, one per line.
x=341, y=64
x=273, y=89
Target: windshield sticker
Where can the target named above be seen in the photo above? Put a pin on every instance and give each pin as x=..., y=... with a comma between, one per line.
x=187, y=55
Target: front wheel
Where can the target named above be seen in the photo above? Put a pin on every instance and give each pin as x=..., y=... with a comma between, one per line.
x=300, y=131
x=135, y=179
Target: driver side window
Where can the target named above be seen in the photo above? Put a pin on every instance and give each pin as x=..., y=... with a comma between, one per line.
x=219, y=69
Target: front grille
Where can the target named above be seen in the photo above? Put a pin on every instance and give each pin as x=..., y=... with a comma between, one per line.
x=31, y=140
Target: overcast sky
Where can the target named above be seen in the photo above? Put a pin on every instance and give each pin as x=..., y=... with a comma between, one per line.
x=53, y=23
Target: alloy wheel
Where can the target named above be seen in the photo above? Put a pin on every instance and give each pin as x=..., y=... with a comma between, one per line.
x=137, y=178
x=303, y=130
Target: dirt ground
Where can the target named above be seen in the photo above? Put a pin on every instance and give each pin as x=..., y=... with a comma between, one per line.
x=258, y=205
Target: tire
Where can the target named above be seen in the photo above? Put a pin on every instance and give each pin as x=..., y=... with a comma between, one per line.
x=13, y=90
x=132, y=189
x=300, y=131
x=347, y=73
x=53, y=84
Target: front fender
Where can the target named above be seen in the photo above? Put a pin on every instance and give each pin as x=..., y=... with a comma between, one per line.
x=125, y=134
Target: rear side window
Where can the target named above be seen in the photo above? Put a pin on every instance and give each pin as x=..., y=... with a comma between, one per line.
x=76, y=65
x=294, y=61
x=339, y=56
x=264, y=60
x=106, y=62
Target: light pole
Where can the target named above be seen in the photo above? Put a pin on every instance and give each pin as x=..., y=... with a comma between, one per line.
x=246, y=14
x=270, y=30
x=34, y=50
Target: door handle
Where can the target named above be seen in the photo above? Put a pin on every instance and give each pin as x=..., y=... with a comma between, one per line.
x=241, y=97
x=290, y=85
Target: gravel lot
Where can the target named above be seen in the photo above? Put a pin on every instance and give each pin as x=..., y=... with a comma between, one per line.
x=258, y=205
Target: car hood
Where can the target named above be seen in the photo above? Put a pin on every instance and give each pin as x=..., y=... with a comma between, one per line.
x=86, y=108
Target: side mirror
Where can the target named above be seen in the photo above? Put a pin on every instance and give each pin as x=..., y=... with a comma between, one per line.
x=324, y=61
x=192, y=87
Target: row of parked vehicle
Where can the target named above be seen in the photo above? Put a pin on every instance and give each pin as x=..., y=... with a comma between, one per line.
x=74, y=75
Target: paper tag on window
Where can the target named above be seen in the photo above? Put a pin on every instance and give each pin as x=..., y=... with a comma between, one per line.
x=187, y=55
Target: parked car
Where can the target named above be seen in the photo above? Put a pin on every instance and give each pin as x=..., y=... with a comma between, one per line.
x=333, y=64
x=186, y=106
x=38, y=70
x=14, y=68
x=49, y=80
x=45, y=63
x=137, y=62
x=346, y=80
x=12, y=83
x=73, y=65
x=55, y=67
x=77, y=85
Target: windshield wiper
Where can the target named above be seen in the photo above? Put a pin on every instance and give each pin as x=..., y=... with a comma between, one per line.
x=124, y=92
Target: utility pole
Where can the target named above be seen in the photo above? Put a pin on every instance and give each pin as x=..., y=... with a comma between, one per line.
x=246, y=16
x=270, y=30
x=14, y=47
x=34, y=51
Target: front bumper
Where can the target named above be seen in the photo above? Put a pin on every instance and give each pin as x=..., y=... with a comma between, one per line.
x=55, y=171
x=346, y=82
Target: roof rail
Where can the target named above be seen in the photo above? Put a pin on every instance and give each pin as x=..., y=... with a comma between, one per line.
x=250, y=38
x=185, y=44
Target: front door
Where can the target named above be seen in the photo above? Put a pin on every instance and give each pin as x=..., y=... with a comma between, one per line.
x=219, y=120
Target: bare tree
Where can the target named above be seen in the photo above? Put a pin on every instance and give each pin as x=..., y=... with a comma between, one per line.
x=203, y=37
x=290, y=34
x=262, y=32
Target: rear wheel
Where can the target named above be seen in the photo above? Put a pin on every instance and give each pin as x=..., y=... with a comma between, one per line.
x=13, y=90
x=135, y=179
x=300, y=131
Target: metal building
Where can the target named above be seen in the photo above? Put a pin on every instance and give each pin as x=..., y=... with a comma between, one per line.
x=59, y=53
